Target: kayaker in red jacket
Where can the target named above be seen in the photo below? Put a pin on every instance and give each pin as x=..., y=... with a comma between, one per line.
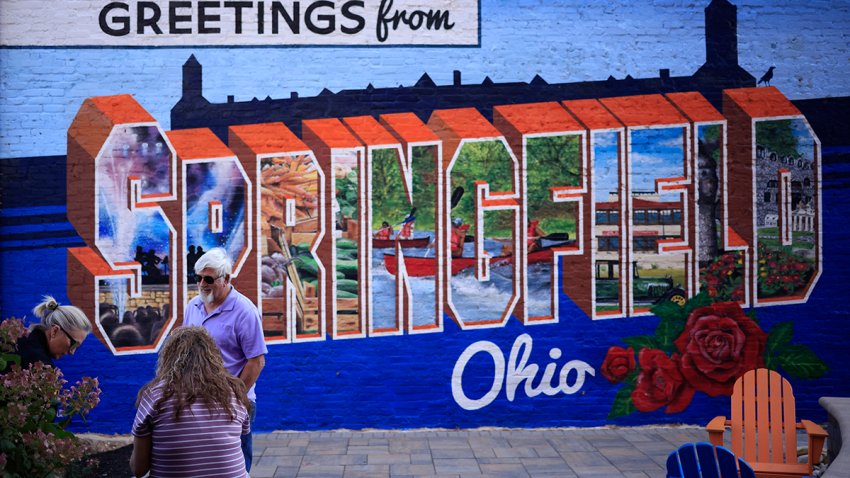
x=406, y=231
x=534, y=235
x=385, y=232
x=459, y=230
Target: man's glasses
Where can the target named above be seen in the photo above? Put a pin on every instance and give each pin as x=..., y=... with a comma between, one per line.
x=74, y=343
x=208, y=279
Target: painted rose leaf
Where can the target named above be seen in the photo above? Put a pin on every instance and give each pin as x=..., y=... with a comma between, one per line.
x=623, y=404
x=667, y=331
x=639, y=342
x=800, y=362
x=780, y=337
x=703, y=346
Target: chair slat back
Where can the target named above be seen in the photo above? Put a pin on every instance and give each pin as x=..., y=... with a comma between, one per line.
x=708, y=461
x=790, y=424
x=704, y=460
x=732, y=466
x=688, y=461
x=763, y=418
x=736, y=415
x=745, y=469
x=776, y=439
x=749, y=419
x=674, y=469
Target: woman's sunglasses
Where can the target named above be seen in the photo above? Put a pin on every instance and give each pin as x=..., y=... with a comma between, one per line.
x=74, y=343
x=208, y=279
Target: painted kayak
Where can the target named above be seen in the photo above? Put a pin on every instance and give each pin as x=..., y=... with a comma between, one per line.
x=427, y=266
x=390, y=243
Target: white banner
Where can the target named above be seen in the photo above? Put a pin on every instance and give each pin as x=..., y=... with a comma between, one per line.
x=180, y=23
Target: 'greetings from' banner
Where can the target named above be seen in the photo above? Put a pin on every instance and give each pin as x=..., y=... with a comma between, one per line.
x=239, y=23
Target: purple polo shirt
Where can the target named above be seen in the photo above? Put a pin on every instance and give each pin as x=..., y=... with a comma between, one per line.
x=236, y=327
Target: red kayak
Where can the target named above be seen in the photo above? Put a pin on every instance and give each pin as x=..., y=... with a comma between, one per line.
x=427, y=266
x=405, y=243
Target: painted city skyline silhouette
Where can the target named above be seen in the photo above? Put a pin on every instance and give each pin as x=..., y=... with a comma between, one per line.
x=720, y=71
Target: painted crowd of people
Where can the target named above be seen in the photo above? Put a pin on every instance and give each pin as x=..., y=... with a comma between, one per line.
x=134, y=327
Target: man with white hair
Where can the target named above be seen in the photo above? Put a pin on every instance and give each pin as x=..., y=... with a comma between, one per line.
x=235, y=324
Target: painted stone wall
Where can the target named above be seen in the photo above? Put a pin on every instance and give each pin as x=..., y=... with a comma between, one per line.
x=509, y=253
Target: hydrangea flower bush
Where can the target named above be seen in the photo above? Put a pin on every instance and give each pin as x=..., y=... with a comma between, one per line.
x=37, y=409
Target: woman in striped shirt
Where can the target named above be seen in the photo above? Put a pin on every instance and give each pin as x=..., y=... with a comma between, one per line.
x=191, y=415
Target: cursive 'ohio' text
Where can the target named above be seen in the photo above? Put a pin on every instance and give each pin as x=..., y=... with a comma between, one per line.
x=518, y=370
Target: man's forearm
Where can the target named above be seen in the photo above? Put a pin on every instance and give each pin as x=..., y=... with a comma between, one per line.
x=251, y=371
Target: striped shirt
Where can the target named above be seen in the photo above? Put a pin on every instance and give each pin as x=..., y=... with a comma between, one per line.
x=197, y=445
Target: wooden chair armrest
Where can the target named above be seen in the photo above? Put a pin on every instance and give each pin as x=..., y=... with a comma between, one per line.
x=816, y=435
x=812, y=428
x=715, y=429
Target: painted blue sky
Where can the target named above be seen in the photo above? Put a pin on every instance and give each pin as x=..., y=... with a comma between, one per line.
x=656, y=153
x=564, y=41
x=804, y=138
x=605, y=168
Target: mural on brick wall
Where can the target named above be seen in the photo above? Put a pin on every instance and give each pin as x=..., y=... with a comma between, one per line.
x=341, y=249
x=425, y=255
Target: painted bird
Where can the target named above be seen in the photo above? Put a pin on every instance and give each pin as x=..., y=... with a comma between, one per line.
x=765, y=78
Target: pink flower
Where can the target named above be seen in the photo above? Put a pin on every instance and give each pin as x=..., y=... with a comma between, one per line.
x=10, y=331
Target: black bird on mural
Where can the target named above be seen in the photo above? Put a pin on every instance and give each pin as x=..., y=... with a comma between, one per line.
x=766, y=77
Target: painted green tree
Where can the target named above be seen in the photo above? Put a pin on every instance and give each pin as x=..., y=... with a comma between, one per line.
x=777, y=136
x=552, y=161
x=483, y=161
x=710, y=136
x=425, y=185
x=389, y=200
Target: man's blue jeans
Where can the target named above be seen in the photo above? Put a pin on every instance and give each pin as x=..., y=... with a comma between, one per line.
x=247, y=442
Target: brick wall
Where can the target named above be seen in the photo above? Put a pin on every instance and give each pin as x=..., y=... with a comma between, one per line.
x=405, y=380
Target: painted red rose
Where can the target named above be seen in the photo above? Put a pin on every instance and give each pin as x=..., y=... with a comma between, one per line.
x=618, y=364
x=660, y=383
x=718, y=345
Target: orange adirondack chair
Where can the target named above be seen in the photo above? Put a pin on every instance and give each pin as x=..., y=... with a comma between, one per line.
x=764, y=426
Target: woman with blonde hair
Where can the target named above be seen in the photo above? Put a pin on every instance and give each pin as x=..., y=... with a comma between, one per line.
x=191, y=415
x=61, y=331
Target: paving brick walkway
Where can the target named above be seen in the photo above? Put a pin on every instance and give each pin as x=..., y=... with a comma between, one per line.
x=599, y=452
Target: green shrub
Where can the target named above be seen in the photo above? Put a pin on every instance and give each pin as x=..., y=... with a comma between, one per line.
x=36, y=408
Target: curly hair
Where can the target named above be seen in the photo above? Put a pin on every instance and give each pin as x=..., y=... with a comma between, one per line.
x=190, y=369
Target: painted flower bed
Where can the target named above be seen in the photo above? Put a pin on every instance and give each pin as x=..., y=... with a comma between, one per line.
x=781, y=272
x=723, y=278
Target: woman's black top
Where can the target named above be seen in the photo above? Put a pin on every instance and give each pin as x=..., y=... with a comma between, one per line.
x=33, y=348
